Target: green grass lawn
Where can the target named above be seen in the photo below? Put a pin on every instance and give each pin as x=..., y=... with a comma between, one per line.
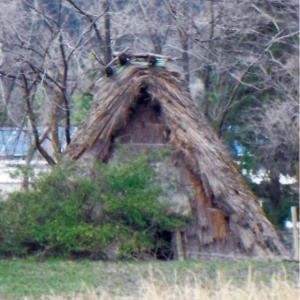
x=29, y=277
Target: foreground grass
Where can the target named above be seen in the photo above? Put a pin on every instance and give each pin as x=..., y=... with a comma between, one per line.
x=278, y=289
x=60, y=279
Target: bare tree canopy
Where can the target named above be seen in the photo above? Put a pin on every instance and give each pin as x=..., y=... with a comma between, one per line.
x=238, y=58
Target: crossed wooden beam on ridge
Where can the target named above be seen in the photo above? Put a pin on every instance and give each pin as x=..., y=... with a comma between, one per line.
x=121, y=59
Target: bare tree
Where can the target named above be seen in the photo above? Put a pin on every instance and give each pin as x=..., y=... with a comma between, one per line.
x=273, y=132
x=242, y=50
x=45, y=56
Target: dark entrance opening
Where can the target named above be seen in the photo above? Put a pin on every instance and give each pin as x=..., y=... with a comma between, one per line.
x=165, y=249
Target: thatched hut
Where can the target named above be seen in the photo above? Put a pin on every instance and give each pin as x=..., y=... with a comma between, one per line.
x=149, y=107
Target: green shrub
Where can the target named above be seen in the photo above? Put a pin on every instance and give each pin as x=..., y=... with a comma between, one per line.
x=73, y=211
x=82, y=104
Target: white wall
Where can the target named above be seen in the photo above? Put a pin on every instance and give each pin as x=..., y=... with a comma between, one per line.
x=9, y=182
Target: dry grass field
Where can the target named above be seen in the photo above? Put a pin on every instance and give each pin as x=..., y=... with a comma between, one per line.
x=279, y=288
x=228, y=292
x=31, y=279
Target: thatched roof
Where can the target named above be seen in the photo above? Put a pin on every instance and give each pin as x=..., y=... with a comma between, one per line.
x=221, y=189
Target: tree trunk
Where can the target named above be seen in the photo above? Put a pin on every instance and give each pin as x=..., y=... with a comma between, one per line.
x=275, y=193
x=107, y=33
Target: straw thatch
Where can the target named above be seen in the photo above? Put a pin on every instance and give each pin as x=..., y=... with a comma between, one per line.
x=151, y=105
